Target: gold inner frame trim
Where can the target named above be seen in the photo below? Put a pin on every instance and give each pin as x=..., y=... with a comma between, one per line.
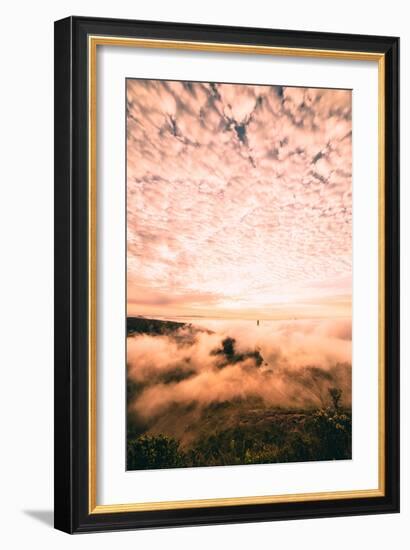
x=93, y=42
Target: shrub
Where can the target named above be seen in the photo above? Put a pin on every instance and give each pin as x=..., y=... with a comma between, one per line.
x=147, y=452
x=335, y=396
x=333, y=430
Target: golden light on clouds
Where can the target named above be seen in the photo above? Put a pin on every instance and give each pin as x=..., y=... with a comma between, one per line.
x=239, y=201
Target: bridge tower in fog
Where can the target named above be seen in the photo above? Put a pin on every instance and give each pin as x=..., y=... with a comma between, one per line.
x=257, y=323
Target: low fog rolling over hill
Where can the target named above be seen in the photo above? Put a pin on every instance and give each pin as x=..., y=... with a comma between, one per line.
x=226, y=392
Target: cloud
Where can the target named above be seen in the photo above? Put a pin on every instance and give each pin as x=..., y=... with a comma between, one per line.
x=285, y=364
x=153, y=297
x=237, y=191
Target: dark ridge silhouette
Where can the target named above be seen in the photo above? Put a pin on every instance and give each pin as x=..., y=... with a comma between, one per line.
x=141, y=325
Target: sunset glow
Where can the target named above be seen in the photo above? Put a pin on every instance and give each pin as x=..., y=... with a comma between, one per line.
x=239, y=201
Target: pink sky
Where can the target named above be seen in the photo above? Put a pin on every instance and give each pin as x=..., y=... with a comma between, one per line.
x=239, y=201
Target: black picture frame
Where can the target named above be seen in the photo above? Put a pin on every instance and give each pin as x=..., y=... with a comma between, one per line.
x=71, y=487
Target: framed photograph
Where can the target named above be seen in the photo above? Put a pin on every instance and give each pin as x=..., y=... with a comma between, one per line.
x=226, y=274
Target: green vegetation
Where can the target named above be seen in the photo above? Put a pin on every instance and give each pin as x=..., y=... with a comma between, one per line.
x=283, y=436
x=146, y=453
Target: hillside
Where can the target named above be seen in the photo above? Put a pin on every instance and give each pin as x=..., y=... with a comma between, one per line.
x=182, y=412
x=141, y=325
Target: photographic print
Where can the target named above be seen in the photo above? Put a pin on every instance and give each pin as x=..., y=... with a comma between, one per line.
x=239, y=274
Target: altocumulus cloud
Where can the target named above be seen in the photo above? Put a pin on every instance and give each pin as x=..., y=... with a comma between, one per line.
x=238, y=196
